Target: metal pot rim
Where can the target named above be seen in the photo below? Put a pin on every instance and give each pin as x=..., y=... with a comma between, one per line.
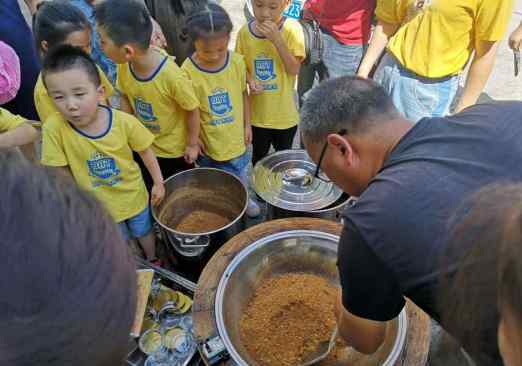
x=402, y=321
x=182, y=234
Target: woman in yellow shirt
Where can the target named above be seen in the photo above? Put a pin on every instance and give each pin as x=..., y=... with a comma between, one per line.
x=55, y=23
x=429, y=43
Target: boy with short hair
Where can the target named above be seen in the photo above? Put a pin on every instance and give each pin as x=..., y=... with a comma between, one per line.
x=95, y=144
x=273, y=48
x=160, y=95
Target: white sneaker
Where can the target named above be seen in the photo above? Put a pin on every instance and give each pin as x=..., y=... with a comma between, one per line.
x=253, y=210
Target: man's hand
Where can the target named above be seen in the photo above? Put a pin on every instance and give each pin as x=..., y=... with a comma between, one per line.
x=191, y=153
x=157, y=193
x=157, y=38
x=515, y=39
x=269, y=30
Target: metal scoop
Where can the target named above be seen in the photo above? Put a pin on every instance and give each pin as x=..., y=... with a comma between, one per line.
x=322, y=351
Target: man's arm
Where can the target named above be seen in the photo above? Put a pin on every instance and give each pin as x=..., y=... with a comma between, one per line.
x=370, y=295
x=381, y=35
x=478, y=74
x=366, y=336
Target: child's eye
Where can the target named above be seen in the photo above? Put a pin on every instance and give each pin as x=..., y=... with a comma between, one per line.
x=79, y=94
x=58, y=97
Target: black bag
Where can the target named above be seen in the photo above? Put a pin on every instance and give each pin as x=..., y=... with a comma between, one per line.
x=313, y=42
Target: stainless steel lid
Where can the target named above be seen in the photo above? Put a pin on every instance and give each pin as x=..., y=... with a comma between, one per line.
x=285, y=179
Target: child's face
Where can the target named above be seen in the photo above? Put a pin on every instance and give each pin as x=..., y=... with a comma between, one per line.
x=269, y=10
x=212, y=51
x=80, y=39
x=75, y=95
x=116, y=53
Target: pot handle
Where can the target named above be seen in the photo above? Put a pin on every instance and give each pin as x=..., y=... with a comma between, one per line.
x=193, y=241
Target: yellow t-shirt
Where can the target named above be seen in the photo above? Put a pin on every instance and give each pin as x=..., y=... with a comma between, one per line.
x=102, y=165
x=44, y=103
x=438, y=37
x=160, y=102
x=220, y=95
x=275, y=106
x=9, y=121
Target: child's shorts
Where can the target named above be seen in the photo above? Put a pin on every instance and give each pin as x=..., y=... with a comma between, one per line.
x=137, y=226
x=237, y=166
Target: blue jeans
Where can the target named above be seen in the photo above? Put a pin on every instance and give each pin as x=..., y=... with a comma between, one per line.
x=339, y=59
x=237, y=166
x=414, y=96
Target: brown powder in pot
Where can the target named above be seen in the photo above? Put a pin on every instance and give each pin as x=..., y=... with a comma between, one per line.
x=287, y=318
x=200, y=221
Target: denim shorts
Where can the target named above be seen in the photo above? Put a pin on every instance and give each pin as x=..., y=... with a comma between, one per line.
x=137, y=226
x=414, y=96
x=237, y=166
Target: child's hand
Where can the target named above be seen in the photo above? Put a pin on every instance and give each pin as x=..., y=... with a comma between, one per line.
x=191, y=153
x=255, y=87
x=157, y=193
x=248, y=134
x=269, y=30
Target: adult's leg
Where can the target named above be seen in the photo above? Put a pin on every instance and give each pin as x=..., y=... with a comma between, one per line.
x=284, y=139
x=341, y=59
x=261, y=141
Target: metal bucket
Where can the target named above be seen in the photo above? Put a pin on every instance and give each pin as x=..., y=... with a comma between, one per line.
x=286, y=252
x=201, y=189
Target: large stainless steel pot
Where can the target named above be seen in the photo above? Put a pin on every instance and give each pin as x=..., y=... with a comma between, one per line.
x=285, y=180
x=204, y=189
x=286, y=252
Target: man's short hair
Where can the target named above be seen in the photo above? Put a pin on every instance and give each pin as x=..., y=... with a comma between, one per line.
x=67, y=279
x=350, y=103
x=65, y=58
x=125, y=21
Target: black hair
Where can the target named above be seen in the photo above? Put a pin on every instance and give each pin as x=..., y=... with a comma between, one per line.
x=485, y=252
x=66, y=57
x=125, y=21
x=347, y=103
x=55, y=20
x=207, y=21
x=68, y=278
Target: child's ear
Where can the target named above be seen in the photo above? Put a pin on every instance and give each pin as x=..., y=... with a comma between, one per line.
x=129, y=52
x=100, y=91
x=44, y=45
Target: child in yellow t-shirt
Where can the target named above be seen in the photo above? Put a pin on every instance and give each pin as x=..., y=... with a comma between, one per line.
x=15, y=130
x=159, y=94
x=274, y=49
x=55, y=23
x=219, y=79
x=95, y=144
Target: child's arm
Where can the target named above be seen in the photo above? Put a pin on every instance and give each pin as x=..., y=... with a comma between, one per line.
x=151, y=163
x=270, y=30
x=247, y=117
x=193, y=148
x=21, y=135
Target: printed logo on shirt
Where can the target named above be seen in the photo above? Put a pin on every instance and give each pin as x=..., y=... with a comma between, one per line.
x=264, y=68
x=220, y=106
x=146, y=115
x=104, y=170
